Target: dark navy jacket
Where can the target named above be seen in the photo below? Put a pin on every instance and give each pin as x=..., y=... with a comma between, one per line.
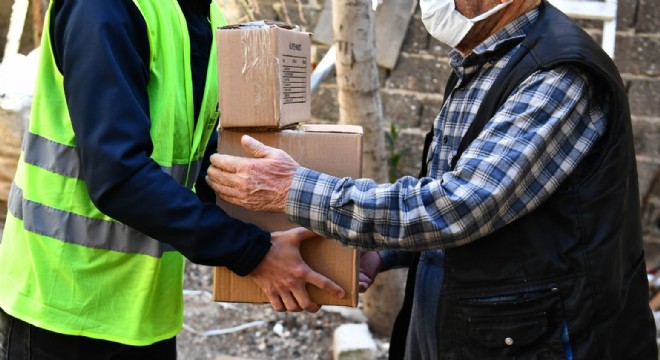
x=95, y=40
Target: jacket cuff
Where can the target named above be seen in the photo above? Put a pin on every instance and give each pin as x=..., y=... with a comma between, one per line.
x=252, y=256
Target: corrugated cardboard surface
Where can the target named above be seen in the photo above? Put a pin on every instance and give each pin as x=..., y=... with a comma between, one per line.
x=332, y=149
x=263, y=77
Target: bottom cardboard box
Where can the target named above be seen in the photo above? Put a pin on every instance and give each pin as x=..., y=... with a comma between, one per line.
x=319, y=254
x=332, y=149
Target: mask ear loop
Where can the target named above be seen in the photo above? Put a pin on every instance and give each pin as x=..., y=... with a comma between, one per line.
x=490, y=12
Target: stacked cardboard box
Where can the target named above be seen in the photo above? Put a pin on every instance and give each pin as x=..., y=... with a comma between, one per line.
x=263, y=74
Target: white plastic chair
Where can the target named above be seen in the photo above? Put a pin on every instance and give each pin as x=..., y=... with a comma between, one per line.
x=604, y=11
x=16, y=22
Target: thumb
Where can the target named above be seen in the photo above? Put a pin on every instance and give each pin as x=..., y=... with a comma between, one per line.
x=256, y=148
x=296, y=235
x=304, y=233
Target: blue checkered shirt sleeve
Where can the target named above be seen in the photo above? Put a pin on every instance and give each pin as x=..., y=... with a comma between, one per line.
x=526, y=150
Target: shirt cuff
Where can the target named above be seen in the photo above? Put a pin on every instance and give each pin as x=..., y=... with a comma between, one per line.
x=309, y=198
x=388, y=259
x=395, y=259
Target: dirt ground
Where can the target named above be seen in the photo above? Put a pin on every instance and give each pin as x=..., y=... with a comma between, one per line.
x=266, y=334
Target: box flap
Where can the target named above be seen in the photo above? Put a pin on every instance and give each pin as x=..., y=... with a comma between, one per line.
x=262, y=24
x=331, y=128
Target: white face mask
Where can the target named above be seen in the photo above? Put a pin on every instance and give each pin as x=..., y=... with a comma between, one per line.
x=446, y=24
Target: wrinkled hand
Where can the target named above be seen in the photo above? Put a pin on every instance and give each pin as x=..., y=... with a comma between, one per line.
x=282, y=274
x=369, y=268
x=260, y=183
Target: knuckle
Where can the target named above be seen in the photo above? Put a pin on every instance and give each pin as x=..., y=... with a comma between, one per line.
x=300, y=272
x=249, y=168
x=290, y=283
x=325, y=284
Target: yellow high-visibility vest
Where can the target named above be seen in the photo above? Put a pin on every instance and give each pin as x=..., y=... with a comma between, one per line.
x=67, y=267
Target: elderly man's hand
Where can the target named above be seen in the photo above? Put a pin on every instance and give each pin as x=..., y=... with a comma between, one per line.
x=282, y=274
x=370, y=264
x=260, y=183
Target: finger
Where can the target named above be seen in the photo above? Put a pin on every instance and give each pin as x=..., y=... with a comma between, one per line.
x=294, y=236
x=214, y=174
x=227, y=163
x=275, y=302
x=227, y=193
x=324, y=284
x=304, y=233
x=364, y=278
x=364, y=282
x=290, y=302
x=255, y=148
x=224, y=183
x=303, y=299
x=216, y=161
x=212, y=184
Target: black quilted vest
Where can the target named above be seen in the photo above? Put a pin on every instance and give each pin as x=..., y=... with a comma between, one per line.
x=575, y=260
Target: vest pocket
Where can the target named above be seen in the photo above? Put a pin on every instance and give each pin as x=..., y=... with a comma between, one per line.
x=523, y=324
x=508, y=331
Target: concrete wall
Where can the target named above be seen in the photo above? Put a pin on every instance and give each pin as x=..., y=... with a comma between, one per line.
x=638, y=58
x=412, y=92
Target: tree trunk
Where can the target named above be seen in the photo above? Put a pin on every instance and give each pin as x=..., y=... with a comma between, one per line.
x=360, y=104
x=38, y=10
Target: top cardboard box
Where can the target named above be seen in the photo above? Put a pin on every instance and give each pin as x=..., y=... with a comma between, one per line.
x=263, y=75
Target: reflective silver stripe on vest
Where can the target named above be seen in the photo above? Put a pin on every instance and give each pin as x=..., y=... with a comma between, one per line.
x=76, y=229
x=64, y=160
x=178, y=172
x=52, y=156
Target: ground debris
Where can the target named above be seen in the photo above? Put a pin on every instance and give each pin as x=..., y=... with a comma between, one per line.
x=265, y=333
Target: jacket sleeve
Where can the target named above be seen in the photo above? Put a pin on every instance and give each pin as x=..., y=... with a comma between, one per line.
x=102, y=50
x=204, y=192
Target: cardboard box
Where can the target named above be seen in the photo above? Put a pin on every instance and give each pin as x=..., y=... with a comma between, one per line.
x=263, y=75
x=332, y=149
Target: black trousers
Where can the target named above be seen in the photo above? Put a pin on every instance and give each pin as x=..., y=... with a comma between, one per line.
x=22, y=341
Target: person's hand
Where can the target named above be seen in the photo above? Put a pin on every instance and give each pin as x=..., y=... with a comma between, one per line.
x=258, y=184
x=369, y=267
x=282, y=274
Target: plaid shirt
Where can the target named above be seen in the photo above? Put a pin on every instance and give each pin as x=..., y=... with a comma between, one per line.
x=523, y=154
